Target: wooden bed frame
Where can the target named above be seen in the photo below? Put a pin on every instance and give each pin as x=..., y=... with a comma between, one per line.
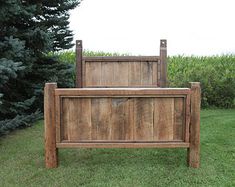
x=128, y=109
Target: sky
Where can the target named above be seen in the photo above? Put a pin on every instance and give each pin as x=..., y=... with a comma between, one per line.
x=191, y=27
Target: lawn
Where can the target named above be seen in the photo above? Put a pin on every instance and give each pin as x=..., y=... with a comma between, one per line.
x=22, y=160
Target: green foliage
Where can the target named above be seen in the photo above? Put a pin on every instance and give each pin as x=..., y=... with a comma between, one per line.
x=216, y=74
x=22, y=161
x=29, y=30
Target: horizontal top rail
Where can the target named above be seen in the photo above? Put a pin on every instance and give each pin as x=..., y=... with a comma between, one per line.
x=121, y=58
x=120, y=91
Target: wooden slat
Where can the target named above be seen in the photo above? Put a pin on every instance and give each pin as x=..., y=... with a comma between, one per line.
x=155, y=74
x=120, y=74
x=146, y=73
x=101, y=118
x=58, y=118
x=123, y=145
x=143, y=119
x=120, y=91
x=121, y=58
x=134, y=74
x=107, y=73
x=93, y=74
x=64, y=118
x=179, y=118
x=121, y=119
x=163, y=119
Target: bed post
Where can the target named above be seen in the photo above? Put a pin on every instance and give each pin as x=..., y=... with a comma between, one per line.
x=51, y=159
x=194, y=129
x=163, y=63
x=78, y=63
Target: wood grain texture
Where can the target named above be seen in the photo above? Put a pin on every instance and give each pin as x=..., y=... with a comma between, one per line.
x=173, y=92
x=122, y=119
x=163, y=119
x=120, y=77
x=134, y=74
x=146, y=73
x=143, y=119
x=179, y=118
x=101, y=118
x=51, y=160
x=92, y=74
x=194, y=149
x=124, y=145
x=107, y=74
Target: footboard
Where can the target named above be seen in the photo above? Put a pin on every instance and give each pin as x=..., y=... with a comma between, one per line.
x=122, y=118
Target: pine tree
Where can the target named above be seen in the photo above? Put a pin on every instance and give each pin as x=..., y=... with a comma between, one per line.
x=28, y=31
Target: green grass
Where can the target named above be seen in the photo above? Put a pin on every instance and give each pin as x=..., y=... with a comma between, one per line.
x=22, y=160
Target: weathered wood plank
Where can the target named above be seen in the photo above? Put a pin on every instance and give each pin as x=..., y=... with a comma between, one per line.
x=120, y=76
x=107, y=73
x=163, y=119
x=155, y=74
x=101, y=109
x=121, y=58
x=124, y=145
x=93, y=74
x=134, y=74
x=121, y=119
x=143, y=119
x=179, y=118
x=146, y=73
x=120, y=91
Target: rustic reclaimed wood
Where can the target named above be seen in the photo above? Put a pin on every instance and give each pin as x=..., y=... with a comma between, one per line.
x=122, y=118
x=123, y=115
x=194, y=148
x=50, y=125
x=121, y=71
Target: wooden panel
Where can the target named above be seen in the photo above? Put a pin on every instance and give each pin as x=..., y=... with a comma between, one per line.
x=163, y=119
x=179, y=118
x=143, y=119
x=101, y=118
x=93, y=74
x=119, y=74
x=146, y=73
x=77, y=118
x=122, y=119
x=134, y=74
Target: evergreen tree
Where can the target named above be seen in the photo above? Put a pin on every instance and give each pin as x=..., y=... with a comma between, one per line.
x=28, y=31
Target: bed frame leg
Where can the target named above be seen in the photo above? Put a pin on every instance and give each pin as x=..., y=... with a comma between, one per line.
x=194, y=149
x=51, y=156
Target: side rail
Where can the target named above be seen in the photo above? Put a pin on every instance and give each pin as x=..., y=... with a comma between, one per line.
x=121, y=118
x=121, y=71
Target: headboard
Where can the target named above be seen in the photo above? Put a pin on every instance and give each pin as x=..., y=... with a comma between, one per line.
x=121, y=71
